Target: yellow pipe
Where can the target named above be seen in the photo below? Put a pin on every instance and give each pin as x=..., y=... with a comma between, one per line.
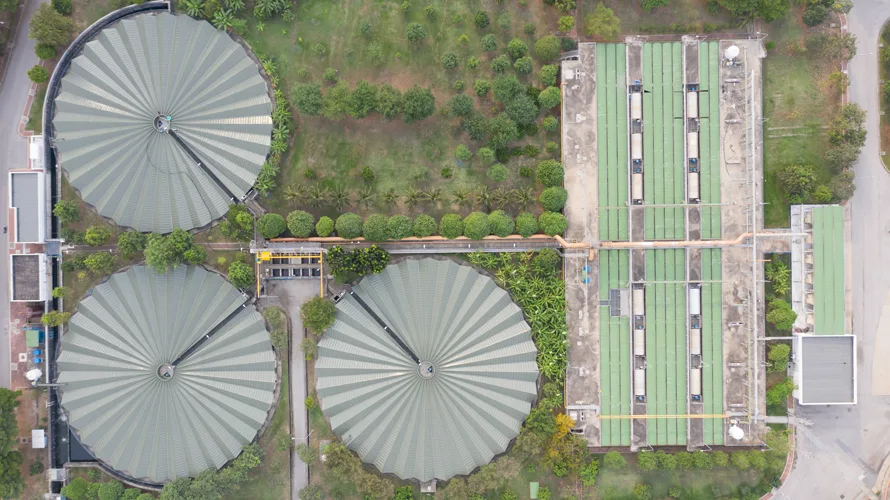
x=565, y=244
x=321, y=274
x=674, y=244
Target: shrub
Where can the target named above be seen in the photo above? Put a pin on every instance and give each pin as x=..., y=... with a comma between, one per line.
x=602, y=22
x=507, y=87
x=449, y=60
x=459, y=85
x=100, y=262
x=424, y=225
x=481, y=19
x=308, y=98
x=548, y=74
x=55, y=318
x=49, y=27
x=648, y=5
x=549, y=98
x=38, y=74
x=522, y=110
x=415, y=33
x=66, y=211
x=45, y=52
x=300, y=223
x=778, y=357
x=489, y=43
x=349, y=226
x=779, y=393
x=271, y=225
x=500, y=64
x=822, y=194
x=565, y=24
x=523, y=65
x=324, y=227
x=472, y=62
x=780, y=314
x=318, y=314
x=481, y=86
x=367, y=174
x=485, y=154
x=446, y=172
x=552, y=223
x=547, y=47
x=526, y=172
x=451, y=226
x=550, y=173
x=131, y=242
x=97, y=235
x=376, y=228
x=815, y=14
x=642, y=492
x=501, y=224
x=646, y=461
x=551, y=147
x=330, y=74
x=546, y=262
x=461, y=105
x=498, y=173
x=241, y=274
x=366, y=28
x=463, y=153
x=553, y=199
x=721, y=459
x=614, y=461
x=504, y=21
x=526, y=224
x=529, y=29
x=399, y=226
x=550, y=124
x=476, y=226
x=517, y=48
x=430, y=12
x=62, y=7
x=419, y=103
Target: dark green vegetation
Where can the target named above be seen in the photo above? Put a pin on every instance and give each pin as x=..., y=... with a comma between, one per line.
x=349, y=265
x=802, y=88
x=884, y=75
x=318, y=314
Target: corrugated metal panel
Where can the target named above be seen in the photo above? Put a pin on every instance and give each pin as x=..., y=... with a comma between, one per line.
x=828, y=370
x=483, y=384
x=114, y=90
x=154, y=429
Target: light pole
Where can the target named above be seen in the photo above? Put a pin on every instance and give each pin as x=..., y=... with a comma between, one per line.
x=305, y=438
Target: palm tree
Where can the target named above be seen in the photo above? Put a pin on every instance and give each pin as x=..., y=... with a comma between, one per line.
x=500, y=198
x=318, y=196
x=365, y=196
x=340, y=197
x=463, y=198
x=278, y=146
x=260, y=26
x=433, y=196
x=523, y=197
x=391, y=198
x=235, y=5
x=223, y=19
x=280, y=133
x=295, y=193
x=194, y=8
x=483, y=198
x=412, y=197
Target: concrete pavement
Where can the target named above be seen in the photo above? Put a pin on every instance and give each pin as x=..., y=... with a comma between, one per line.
x=292, y=294
x=13, y=152
x=841, y=453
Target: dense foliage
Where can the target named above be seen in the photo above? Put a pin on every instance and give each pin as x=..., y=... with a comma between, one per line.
x=318, y=314
x=348, y=265
x=166, y=252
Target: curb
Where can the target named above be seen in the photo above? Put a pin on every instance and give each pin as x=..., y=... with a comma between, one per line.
x=23, y=122
x=789, y=461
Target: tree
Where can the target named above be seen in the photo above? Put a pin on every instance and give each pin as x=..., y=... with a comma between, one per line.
x=685, y=461
x=589, y=472
x=666, y=461
x=463, y=153
x=547, y=48
x=481, y=86
x=77, y=489
x=501, y=130
x=97, y=235
x=415, y=33
x=376, y=228
x=815, y=14
x=749, y=10
x=349, y=226
x=553, y=199
x=507, y=87
x=642, y=492
x=324, y=227
x=61, y=292
x=300, y=223
x=549, y=98
x=451, y=226
x=318, y=314
x=166, y=252
x=424, y=225
x=389, y=101
x=363, y=100
x=740, y=460
x=500, y=64
x=842, y=156
x=400, y=226
x=489, y=43
x=842, y=186
x=603, y=22
x=49, y=27
x=522, y=110
x=552, y=223
x=797, y=181
x=476, y=226
x=38, y=74
x=481, y=19
x=614, y=461
x=498, y=172
x=550, y=124
x=548, y=74
x=130, y=243
x=501, y=224
x=271, y=225
x=517, y=48
x=419, y=103
x=112, y=490
x=308, y=98
x=524, y=65
x=63, y=7
x=526, y=224
x=461, y=105
x=404, y=493
x=336, y=101
x=55, y=318
x=546, y=262
x=779, y=392
x=312, y=492
x=486, y=155
x=241, y=274
x=702, y=460
x=566, y=24
x=778, y=356
x=66, y=211
x=550, y=173
x=721, y=459
x=100, y=262
x=848, y=126
x=780, y=314
x=648, y=5
x=449, y=60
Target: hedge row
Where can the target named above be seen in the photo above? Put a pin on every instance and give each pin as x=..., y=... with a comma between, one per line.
x=378, y=227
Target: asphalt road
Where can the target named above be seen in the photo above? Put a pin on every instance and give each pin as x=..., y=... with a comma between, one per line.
x=840, y=454
x=13, y=153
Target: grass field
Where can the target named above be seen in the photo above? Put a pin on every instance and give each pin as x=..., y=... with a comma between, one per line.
x=797, y=104
x=672, y=18
x=35, y=115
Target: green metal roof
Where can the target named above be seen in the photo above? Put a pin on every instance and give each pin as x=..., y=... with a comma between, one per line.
x=615, y=349
x=147, y=427
x=411, y=424
x=709, y=136
x=176, y=66
x=611, y=138
x=828, y=272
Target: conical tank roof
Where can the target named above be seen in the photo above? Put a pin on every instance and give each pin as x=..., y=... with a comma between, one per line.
x=135, y=412
x=132, y=82
x=465, y=400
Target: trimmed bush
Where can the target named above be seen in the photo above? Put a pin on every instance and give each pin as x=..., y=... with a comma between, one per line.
x=517, y=48
x=476, y=226
x=463, y=153
x=553, y=199
x=550, y=123
x=300, y=223
x=548, y=74
x=400, y=226
x=552, y=223
x=550, y=173
x=324, y=227
x=349, y=225
x=523, y=65
x=501, y=224
x=375, y=228
x=424, y=226
x=498, y=173
x=461, y=105
x=549, y=98
x=38, y=74
x=526, y=224
x=62, y=7
x=45, y=52
x=451, y=226
x=547, y=262
x=489, y=43
x=547, y=48
x=485, y=154
x=271, y=225
x=481, y=19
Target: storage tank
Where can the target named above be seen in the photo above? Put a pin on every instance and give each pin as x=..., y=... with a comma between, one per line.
x=640, y=382
x=695, y=341
x=640, y=341
x=692, y=186
x=636, y=188
x=636, y=106
x=639, y=301
x=695, y=381
x=695, y=300
x=692, y=145
x=636, y=146
x=692, y=105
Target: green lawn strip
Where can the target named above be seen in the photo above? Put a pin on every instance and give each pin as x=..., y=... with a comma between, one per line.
x=35, y=115
x=88, y=215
